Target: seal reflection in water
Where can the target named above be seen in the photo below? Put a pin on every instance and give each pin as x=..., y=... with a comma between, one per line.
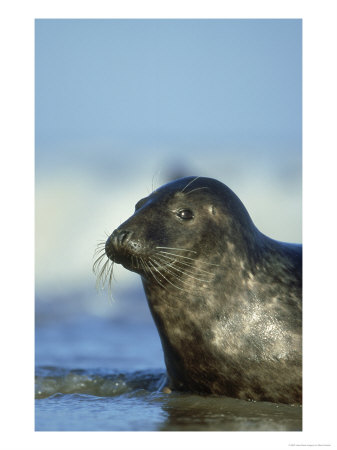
x=226, y=299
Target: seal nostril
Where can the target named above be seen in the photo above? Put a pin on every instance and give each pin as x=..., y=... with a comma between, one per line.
x=124, y=237
x=121, y=237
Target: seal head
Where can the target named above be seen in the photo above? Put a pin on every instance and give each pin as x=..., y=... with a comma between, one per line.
x=225, y=298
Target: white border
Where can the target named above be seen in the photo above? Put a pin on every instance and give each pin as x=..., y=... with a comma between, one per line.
x=17, y=171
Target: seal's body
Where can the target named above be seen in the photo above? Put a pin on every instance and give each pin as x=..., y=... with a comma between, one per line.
x=226, y=300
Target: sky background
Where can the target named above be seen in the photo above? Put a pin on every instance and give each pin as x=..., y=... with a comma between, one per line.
x=123, y=106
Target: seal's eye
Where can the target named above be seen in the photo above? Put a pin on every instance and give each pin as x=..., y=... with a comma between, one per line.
x=185, y=214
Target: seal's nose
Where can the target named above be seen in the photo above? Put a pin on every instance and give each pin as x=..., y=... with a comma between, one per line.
x=116, y=243
x=121, y=244
x=120, y=237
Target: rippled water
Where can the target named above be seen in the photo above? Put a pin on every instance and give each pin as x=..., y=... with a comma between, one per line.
x=100, y=374
x=87, y=400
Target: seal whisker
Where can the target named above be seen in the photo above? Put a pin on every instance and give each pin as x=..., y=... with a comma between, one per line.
x=148, y=269
x=146, y=265
x=189, y=273
x=111, y=275
x=163, y=276
x=184, y=272
x=174, y=248
x=99, y=254
x=188, y=264
x=168, y=271
x=103, y=273
x=99, y=247
x=173, y=260
x=168, y=261
x=98, y=251
x=192, y=269
x=99, y=258
x=102, y=265
x=186, y=257
x=178, y=256
x=97, y=264
x=162, y=264
x=157, y=174
x=188, y=184
x=196, y=189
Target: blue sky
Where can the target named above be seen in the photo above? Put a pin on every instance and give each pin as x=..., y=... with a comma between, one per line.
x=178, y=83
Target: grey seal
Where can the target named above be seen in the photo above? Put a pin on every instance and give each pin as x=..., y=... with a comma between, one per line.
x=226, y=299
